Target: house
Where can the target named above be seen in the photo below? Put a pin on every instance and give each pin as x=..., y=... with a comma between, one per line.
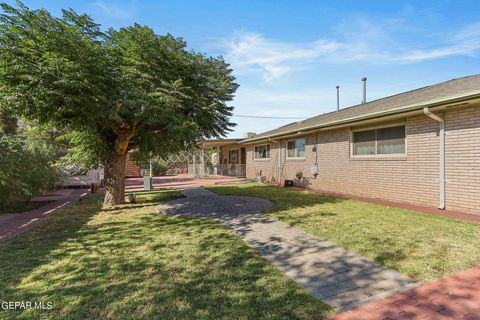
x=420, y=147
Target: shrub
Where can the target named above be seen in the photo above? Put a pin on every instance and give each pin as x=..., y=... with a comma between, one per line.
x=159, y=167
x=26, y=168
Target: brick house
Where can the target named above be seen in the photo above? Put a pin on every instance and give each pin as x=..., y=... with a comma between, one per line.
x=420, y=147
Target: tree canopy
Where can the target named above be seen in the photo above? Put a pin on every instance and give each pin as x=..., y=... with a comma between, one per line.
x=112, y=91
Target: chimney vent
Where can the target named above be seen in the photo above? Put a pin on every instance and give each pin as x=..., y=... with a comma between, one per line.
x=364, y=96
x=338, y=98
x=249, y=135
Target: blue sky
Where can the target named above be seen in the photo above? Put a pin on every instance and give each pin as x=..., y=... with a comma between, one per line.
x=288, y=56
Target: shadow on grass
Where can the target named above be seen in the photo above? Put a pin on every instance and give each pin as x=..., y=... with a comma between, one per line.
x=135, y=263
x=282, y=198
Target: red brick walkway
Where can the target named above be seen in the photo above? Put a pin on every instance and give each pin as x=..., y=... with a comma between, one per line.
x=13, y=224
x=179, y=181
x=456, y=297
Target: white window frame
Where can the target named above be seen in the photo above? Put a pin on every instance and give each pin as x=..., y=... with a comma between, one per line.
x=296, y=150
x=267, y=146
x=376, y=155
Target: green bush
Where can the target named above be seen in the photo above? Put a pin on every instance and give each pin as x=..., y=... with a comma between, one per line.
x=159, y=167
x=26, y=168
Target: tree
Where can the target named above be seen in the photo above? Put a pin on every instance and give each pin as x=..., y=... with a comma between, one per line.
x=114, y=91
x=8, y=123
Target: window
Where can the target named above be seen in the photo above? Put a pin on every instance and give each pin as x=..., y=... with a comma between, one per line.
x=296, y=148
x=262, y=152
x=379, y=141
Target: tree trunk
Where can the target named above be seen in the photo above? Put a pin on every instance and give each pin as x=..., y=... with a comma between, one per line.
x=114, y=179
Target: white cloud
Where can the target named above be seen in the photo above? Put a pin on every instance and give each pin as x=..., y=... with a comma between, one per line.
x=253, y=53
x=463, y=43
x=112, y=11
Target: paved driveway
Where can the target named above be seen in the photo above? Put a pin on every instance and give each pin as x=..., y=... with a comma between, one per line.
x=180, y=181
x=13, y=224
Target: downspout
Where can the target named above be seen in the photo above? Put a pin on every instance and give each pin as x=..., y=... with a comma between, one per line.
x=441, y=134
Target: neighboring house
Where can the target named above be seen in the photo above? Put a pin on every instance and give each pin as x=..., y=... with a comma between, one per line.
x=420, y=147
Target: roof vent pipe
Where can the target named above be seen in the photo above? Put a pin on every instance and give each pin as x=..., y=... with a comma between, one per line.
x=338, y=98
x=364, y=96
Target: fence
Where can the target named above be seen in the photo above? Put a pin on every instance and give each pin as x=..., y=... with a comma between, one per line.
x=205, y=170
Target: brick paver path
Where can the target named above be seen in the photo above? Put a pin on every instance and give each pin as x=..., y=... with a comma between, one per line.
x=333, y=274
x=13, y=224
x=456, y=297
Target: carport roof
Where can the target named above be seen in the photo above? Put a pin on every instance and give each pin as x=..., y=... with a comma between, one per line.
x=207, y=144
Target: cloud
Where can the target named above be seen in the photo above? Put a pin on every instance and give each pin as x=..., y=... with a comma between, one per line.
x=463, y=43
x=112, y=11
x=253, y=53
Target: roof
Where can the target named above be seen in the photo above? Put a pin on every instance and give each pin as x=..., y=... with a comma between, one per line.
x=417, y=97
x=218, y=142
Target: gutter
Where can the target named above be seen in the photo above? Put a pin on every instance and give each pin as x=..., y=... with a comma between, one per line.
x=399, y=110
x=441, y=141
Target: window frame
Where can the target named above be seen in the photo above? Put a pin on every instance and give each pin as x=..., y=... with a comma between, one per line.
x=267, y=146
x=377, y=155
x=296, y=150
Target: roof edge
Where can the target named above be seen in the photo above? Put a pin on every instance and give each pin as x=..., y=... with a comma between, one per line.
x=398, y=110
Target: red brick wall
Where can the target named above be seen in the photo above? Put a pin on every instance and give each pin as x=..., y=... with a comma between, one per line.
x=131, y=169
x=412, y=178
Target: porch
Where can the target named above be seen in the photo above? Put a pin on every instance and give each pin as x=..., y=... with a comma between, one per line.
x=218, y=158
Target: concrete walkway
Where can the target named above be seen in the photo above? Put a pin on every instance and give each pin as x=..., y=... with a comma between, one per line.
x=338, y=277
x=12, y=224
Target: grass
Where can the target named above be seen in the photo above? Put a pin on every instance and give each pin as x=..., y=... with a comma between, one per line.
x=129, y=262
x=422, y=246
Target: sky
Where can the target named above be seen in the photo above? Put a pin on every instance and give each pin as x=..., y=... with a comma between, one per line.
x=288, y=56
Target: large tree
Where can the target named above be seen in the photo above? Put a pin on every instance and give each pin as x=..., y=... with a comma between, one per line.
x=113, y=91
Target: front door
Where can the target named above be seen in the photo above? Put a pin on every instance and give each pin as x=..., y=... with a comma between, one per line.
x=233, y=156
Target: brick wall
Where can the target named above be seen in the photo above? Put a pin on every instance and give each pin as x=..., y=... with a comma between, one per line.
x=462, y=163
x=131, y=169
x=412, y=178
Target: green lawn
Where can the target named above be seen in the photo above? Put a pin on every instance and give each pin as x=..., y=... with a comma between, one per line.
x=423, y=246
x=130, y=263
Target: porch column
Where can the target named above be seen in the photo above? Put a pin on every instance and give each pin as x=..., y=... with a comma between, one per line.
x=194, y=170
x=202, y=161
x=217, y=166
